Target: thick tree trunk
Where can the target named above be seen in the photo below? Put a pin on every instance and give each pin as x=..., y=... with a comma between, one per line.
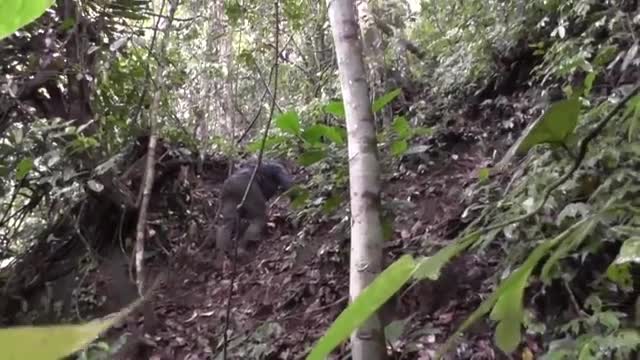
x=368, y=341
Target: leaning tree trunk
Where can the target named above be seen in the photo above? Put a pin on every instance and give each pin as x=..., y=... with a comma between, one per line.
x=147, y=183
x=368, y=341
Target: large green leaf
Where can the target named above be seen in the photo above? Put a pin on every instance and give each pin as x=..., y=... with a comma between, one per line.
x=399, y=147
x=54, y=342
x=371, y=298
x=314, y=133
x=289, y=122
x=509, y=291
x=18, y=13
x=573, y=240
x=312, y=156
x=335, y=108
x=385, y=99
x=620, y=269
x=554, y=127
x=401, y=127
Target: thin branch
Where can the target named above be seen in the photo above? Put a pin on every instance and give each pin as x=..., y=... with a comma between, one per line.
x=252, y=179
x=147, y=185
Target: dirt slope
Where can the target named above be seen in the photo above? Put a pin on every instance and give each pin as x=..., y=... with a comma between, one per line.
x=288, y=295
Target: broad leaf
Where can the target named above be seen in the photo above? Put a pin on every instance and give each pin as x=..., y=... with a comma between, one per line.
x=385, y=99
x=578, y=232
x=289, y=122
x=555, y=126
x=629, y=252
x=369, y=300
x=620, y=269
x=401, y=127
x=18, y=13
x=335, y=108
x=399, y=147
x=311, y=157
x=512, y=287
x=314, y=133
x=55, y=342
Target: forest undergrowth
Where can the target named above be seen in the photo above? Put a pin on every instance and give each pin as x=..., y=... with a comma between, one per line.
x=508, y=147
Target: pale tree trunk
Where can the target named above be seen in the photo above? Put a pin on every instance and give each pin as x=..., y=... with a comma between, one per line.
x=373, y=54
x=229, y=108
x=368, y=341
x=147, y=183
x=208, y=81
x=212, y=101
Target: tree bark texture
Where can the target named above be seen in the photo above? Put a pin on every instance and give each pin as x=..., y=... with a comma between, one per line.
x=368, y=341
x=373, y=54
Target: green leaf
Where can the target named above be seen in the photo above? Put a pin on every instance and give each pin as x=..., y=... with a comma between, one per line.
x=569, y=242
x=335, y=108
x=605, y=55
x=18, y=13
x=67, y=24
x=270, y=143
x=511, y=287
x=54, y=342
x=385, y=99
x=332, y=203
x=24, y=166
x=334, y=134
x=387, y=227
x=234, y=11
x=311, y=157
x=508, y=310
x=314, y=133
x=588, y=83
x=399, y=147
x=632, y=112
x=429, y=267
x=300, y=197
x=555, y=126
x=629, y=252
x=483, y=175
x=289, y=122
x=401, y=127
x=362, y=307
x=621, y=275
x=619, y=271
x=395, y=329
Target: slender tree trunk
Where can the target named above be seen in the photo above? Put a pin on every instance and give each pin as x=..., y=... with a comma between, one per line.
x=146, y=186
x=374, y=55
x=368, y=341
x=227, y=55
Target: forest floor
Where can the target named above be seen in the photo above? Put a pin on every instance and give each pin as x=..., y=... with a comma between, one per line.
x=287, y=296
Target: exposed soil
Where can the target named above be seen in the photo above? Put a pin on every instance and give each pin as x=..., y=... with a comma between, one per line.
x=286, y=297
